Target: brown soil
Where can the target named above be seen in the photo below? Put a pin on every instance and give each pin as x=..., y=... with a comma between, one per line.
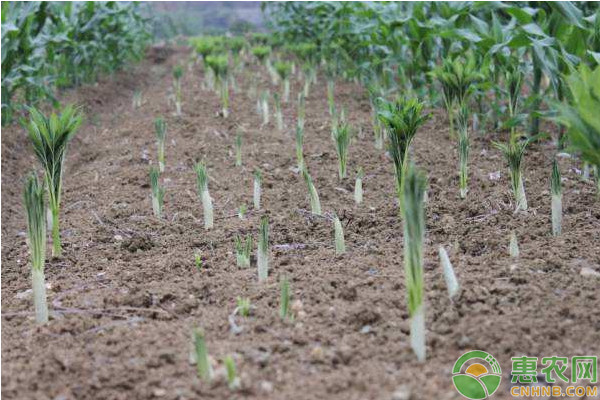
x=126, y=295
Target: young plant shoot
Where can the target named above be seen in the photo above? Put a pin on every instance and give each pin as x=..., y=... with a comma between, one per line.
x=262, y=257
x=219, y=64
x=402, y=118
x=158, y=192
x=284, y=69
x=285, y=300
x=243, y=248
x=278, y=114
x=265, y=107
x=449, y=276
x=463, y=150
x=243, y=306
x=556, y=190
x=242, y=211
x=233, y=382
x=50, y=138
x=33, y=196
x=160, y=128
x=238, y=149
x=202, y=185
x=203, y=366
x=513, y=245
x=358, y=186
x=177, y=74
x=340, y=245
x=301, y=109
x=414, y=234
x=137, y=99
x=341, y=137
x=198, y=261
x=257, y=188
x=315, y=204
x=299, y=146
x=513, y=153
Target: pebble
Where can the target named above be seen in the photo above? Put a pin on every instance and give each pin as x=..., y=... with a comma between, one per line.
x=266, y=386
x=403, y=392
x=587, y=271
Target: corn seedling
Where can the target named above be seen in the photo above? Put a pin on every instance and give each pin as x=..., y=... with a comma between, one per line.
x=243, y=306
x=285, y=300
x=340, y=245
x=257, y=189
x=299, y=146
x=513, y=245
x=160, y=128
x=203, y=366
x=177, y=74
x=265, y=107
x=315, y=204
x=513, y=77
x=556, y=190
x=220, y=66
x=50, y=138
x=233, y=382
x=341, y=137
x=449, y=276
x=238, y=149
x=261, y=53
x=378, y=131
x=301, y=109
x=158, y=193
x=331, y=94
x=463, y=150
x=137, y=99
x=242, y=211
x=262, y=257
x=414, y=232
x=283, y=70
x=243, y=248
x=358, y=186
x=33, y=196
x=202, y=186
x=513, y=153
x=402, y=118
x=198, y=261
x=278, y=114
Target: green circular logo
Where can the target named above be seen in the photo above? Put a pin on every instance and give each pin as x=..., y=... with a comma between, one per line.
x=478, y=380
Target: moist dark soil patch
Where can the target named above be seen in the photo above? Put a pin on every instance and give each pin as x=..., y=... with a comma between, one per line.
x=126, y=295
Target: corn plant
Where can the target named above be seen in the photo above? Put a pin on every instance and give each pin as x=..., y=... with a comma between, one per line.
x=177, y=74
x=238, y=149
x=242, y=211
x=358, y=186
x=513, y=152
x=262, y=256
x=449, y=276
x=233, y=382
x=463, y=150
x=203, y=366
x=158, y=193
x=556, y=190
x=243, y=248
x=285, y=300
x=220, y=66
x=315, y=203
x=340, y=245
x=198, y=261
x=414, y=235
x=283, y=70
x=50, y=138
x=265, y=107
x=513, y=245
x=278, y=114
x=402, y=118
x=341, y=137
x=243, y=306
x=202, y=186
x=33, y=196
x=257, y=188
x=513, y=77
x=160, y=129
x=261, y=53
x=299, y=146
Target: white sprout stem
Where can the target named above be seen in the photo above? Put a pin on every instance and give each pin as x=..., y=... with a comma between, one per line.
x=49, y=219
x=358, y=191
x=449, y=276
x=586, y=172
x=279, y=119
x=256, y=196
x=513, y=246
x=417, y=332
x=262, y=261
x=156, y=206
x=39, y=295
x=556, y=214
x=306, y=87
x=208, y=209
x=520, y=197
x=340, y=245
x=286, y=90
x=315, y=203
x=265, y=111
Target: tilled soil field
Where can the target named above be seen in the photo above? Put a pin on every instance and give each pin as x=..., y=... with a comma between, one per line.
x=126, y=295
